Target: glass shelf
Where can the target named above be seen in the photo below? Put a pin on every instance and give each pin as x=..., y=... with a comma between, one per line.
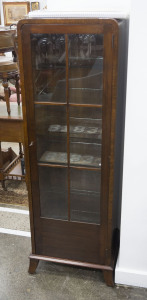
x=76, y=159
x=85, y=63
x=85, y=89
x=54, y=157
x=85, y=196
x=53, y=192
x=85, y=154
x=84, y=128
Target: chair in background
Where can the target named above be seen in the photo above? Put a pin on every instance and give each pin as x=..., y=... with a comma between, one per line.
x=8, y=68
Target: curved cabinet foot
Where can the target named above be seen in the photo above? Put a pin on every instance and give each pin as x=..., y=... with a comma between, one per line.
x=109, y=277
x=33, y=265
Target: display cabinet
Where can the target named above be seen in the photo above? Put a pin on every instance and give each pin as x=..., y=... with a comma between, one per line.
x=69, y=76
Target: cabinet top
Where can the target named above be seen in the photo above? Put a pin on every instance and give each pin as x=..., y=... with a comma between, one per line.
x=75, y=15
x=110, y=23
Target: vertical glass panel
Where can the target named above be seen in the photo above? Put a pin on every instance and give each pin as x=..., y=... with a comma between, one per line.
x=85, y=136
x=49, y=67
x=85, y=196
x=85, y=68
x=51, y=133
x=53, y=192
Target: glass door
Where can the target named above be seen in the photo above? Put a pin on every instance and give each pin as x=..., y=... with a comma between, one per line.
x=85, y=86
x=68, y=99
x=49, y=80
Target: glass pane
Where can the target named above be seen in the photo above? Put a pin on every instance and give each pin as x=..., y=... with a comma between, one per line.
x=85, y=136
x=85, y=68
x=85, y=196
x=51, y=133
x=49, y=67
x=53, y=192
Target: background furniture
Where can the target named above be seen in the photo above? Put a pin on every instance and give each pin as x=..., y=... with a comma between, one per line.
x=73, y=136
x=8, y=68
x=11, y=128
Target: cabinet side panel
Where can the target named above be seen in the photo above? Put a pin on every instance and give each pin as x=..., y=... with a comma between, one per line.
x=120, y=118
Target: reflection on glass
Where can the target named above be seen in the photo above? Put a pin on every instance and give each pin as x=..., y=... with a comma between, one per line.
x=85, y=68
x=51, y=133
x=53, y=192
x=85, y=136
x=49, y=64
x=85, y=196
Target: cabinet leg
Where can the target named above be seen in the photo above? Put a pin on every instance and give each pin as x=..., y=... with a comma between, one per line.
x=17, y=89
x=20, y=150
x=33, y=265
x=109, y=277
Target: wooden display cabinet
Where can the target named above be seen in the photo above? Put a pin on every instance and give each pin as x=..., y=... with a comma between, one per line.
x=69, y=75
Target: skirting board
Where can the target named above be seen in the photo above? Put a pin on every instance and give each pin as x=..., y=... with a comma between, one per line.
x=130, y=277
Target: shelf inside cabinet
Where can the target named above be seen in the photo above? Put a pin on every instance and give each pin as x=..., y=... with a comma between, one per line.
x=84, y=129
x=76, y=159
x=85, y=186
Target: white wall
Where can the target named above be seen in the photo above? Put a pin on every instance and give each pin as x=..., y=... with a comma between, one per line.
x=86, y=5
x=132, y=264
x=131, y=267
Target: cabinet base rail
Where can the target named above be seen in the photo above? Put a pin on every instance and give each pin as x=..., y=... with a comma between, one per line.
x=108, y=271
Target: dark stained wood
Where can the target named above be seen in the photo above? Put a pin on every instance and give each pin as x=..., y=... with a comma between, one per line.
x=113, y=24
x=68, y=125
x=11, y=130
x=52, y=165
x=33, y=265
x=52, y=21
x=6, y=91
x=110, y=228
x=11, y=127
x=106, y=129
x=109, y=277
x=70, y=104
x=65, y=28
x=85, y=105
x=8, y=69
x=66, y=241
x=64, y=166
x=27, y=94
x=85, y=168
x=49, y=103
x=69, y=262
x=70, y=240
x=17, y=88
x=7, y=39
